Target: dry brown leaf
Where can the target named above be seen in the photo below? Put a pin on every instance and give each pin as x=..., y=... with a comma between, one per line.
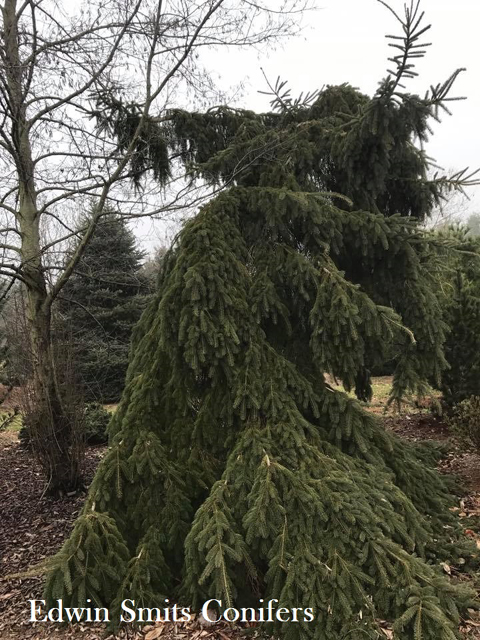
x=446, y=568
x=154, y=633
x=388, y=633
x=472, y=623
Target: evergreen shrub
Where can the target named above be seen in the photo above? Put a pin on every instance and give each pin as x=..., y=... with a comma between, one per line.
x=465, y=420
x=96, y=423
x=461, y=284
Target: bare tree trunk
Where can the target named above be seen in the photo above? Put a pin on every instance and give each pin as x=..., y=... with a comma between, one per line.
x=52, y=428
x=51, y=156
x=51, y=423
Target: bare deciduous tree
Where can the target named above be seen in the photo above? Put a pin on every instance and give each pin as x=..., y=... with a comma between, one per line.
x=56, y=61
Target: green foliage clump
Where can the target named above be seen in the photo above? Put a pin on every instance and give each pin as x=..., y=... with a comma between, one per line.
x=9, y=419
x=235, y=470
x=91, y=564
x=461, y=284
x=465, y=420
x=96, y=422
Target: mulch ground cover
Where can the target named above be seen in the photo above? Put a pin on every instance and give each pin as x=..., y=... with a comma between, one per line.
x=33, y=527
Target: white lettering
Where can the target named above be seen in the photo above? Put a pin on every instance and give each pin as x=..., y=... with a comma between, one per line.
x=74, y=614
x=280, y=612
x=56, y=610
x=34, y=610
x=186, y=617
x=308, y=615
x=235, y=613
x=128, y=610
x=270, y=608
x=294, y=613
x=206, y=609
x=248, y=615
x=106, y=617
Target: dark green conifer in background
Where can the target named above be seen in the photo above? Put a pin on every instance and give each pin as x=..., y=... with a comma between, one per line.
x=235, y=470
x=100, y=304
x=461, y=284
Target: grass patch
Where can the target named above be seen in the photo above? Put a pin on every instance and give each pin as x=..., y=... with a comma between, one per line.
x=381, y=388
x=12, y=425
x=111, y=407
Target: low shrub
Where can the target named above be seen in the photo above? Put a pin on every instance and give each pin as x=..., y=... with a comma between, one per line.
x=465, y=420
x=96, y=423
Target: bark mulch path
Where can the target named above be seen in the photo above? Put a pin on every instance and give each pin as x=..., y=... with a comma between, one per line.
x=459, y=461
x=33, y=527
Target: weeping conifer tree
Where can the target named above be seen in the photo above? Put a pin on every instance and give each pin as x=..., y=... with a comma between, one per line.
x=235, y=470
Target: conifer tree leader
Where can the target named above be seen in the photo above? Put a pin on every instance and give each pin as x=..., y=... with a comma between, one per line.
x=100, y=304
x=235, y=471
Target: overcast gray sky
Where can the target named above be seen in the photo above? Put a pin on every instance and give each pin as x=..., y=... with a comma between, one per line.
x=344, y=41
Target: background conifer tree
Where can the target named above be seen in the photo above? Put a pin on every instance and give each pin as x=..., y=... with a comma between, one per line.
x=461, y=286
x=473, y=224
x=15, y=367
x=100, y=304
x=234, y=467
